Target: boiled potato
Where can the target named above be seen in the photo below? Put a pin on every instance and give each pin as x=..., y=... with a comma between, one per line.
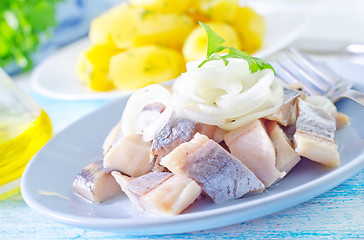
x=147, y=41
x=196, y=43
x=168, y=30
x=163, y=6
x=250, y=26
x=216, y=10
x=140, y=66
x=93, y=66
x=119, y=25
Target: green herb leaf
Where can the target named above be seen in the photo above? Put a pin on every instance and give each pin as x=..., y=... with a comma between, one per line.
x=255, y=64
x=22, y=26
x=213, y=41
x=215, y=57
x=213, y=47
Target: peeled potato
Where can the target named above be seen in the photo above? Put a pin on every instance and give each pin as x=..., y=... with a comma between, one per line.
x=163, y=6
x=93, y=66
x=167, y=30
x=250, y=26
x=140, y=66
x=196, y=43
x=155, y=37
x=217, y=10
x=119, y=25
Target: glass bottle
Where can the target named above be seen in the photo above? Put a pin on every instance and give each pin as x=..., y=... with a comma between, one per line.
x=24, y=129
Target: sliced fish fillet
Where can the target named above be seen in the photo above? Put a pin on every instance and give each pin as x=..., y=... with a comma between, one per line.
x=145, y=183
x=287, y=157
x=219, y=135
x=129, y=155
x=326, y=104
x=253, y=147
x=160, y=193
x=315, y=135
x=221, y=176
x=95, y=183
x=176, y=131
x=172, y=196
x=286, y=115
x=134, y=188
x=113, y=136
x=149, y=114
x=341, y=120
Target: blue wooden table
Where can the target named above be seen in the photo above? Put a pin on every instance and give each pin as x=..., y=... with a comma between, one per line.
x=336, y=214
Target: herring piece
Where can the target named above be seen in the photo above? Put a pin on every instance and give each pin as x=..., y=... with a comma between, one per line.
x=171, y=197
x=253, y=147
x=176, y=131
x=326, y=104
x=136, y=187
x=129, y=155
x=341, y=120
x=95, y=183
x=286, y=115
x=124, y=181
x=322, y=102
x=145, y=183
x=315, y=135
x=160, y=193
x=287, y=157
x=149, y=114
x=220, y=175
x=113, y=136
x=219, y=135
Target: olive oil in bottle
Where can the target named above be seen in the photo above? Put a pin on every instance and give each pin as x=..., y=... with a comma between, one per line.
x=24, y=129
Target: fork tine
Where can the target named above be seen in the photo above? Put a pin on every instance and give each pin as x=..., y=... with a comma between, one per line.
x=328, y=76
x=284, y=74
x=316, y=79
x=290, y=79
x=300, y=70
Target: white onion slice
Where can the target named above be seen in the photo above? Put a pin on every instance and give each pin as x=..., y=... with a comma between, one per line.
x=198, y=116
x=269, y=107
x=226, y=96
x=255, y=93
x=137, y=101
x=243, y=103
x=150, y=131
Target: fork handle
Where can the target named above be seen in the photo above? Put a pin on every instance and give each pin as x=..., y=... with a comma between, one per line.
x=356, y=96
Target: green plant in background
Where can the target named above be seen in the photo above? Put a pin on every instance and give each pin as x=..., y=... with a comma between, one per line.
x=22, y=25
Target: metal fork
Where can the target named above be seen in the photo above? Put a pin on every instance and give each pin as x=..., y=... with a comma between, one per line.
x=315, y=78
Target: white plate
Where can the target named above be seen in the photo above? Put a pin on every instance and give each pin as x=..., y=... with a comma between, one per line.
x=46, y=182
x=55, y=77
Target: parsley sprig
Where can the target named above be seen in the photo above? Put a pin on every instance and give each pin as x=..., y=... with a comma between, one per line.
x=214, y=42
x=23, y=25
